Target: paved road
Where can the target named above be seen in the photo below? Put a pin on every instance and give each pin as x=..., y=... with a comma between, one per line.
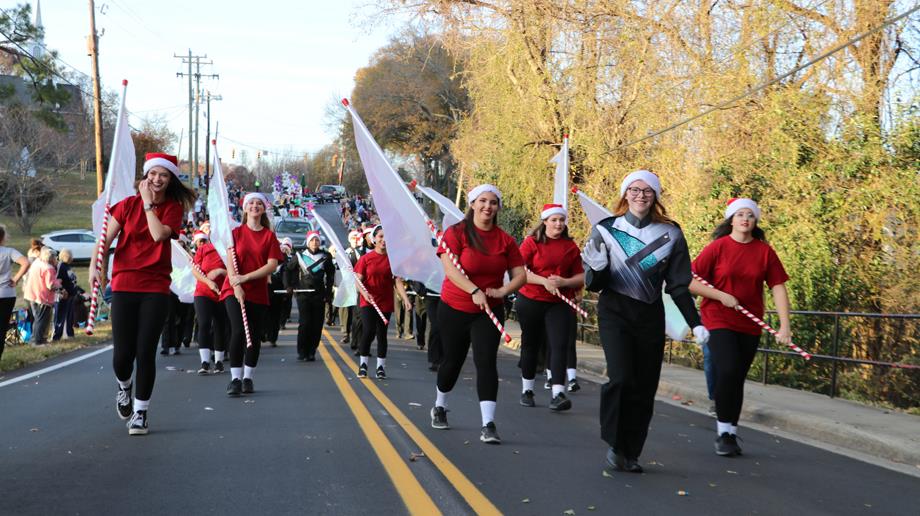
x=314, y=439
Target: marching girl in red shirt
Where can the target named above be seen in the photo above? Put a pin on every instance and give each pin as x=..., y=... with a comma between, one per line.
x=737, y=262
x=373, y=270
x=144, y=224
x=257, y=255
x=553, y=261
x=212, y=317
x=486, y=253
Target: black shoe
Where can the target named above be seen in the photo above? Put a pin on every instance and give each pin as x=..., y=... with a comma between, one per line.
x=247, y=386
x=560, y=403
x=218, y=367
x=439, y=418
x=573, y=386
x=235, y=388
x=362, y=371
x=527, y=399
x=421, y=347
x=489, y=434
x=175, y=351
x=123, y=403
x=345, y=339
x=712, y=410
x=301, y=358
x=548, y=384
x=357, y=352
x=433, y=367
x=274, y=344
x=381, y=374
x=164, y=351
x=204, y=369
x=727, y=445
x=311, y=358
x=614, y=462
x=138, y=423
x=632, y=466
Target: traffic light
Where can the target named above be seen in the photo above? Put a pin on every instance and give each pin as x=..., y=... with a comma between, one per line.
x=258, y=154
x=233, y=153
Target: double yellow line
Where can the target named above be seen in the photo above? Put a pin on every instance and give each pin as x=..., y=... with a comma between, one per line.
x=407, y=485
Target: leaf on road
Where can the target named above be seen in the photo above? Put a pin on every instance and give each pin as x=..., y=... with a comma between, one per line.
x=591, y=507
x=414, y=456
x=608, y=475
x=681, y=492
x=414, y=404
x=730, y=472
x=33, y=429
x=466, y=442
x=711, y=484
x=170, y=368
x=525, y=500
x=209, y=408
x=249, y=401
x=569, y=512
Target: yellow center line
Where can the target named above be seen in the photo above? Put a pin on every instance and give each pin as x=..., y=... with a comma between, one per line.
x=473, y=496
x=410, y=490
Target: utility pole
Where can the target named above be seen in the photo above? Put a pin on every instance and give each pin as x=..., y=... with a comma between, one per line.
x=207, y=151
x=193, y=96
x=93, y=41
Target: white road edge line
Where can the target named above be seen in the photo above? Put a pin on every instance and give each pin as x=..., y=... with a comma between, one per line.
x=66, y=363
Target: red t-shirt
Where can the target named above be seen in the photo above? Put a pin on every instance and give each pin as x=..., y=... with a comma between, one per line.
x=207, y=259
x=140, y=264
x=740, y=270
x=558, y=256
x=253, y=250
x=485, y=270
x=377, y=276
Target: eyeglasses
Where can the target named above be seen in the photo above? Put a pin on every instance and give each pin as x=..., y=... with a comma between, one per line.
x=636, y=191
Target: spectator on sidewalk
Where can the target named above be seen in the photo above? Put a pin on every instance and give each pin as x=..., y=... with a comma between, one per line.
x=63, y=310
x=8, y=281
x=40, y=290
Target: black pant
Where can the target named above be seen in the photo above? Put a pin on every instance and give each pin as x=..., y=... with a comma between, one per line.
x=421, y=323
x=137, y=320
x=240, y=353
x=346, y=314
x=541, y=321
x=310, y=324
x=403, y=317
x=357, y=328
x=212, y=324
x=459, y=330
x=6, y=309
x=632, y=335
x=63, y=319
x=273, y=317
x=732, y=354
x=435, y=348
x=372, y=326
x=178, y=325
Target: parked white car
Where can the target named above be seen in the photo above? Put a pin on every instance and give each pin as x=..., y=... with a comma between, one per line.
x=80, y=242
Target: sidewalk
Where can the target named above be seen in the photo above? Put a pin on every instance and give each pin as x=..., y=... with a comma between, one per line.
x=875, y=432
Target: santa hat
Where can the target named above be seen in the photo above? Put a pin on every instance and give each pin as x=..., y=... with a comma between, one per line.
x=552, y=209
x=481, y=189
x=256, y=195
x=642, y=175
x=199, y=235
x=368, y=230
x=205, y=227
x=158, y=159
x=287, y=242
x=311, y=235
x=354, y=234
x=739, y=203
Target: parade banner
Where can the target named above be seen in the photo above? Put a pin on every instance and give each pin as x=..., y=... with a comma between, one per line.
x=451, y=214
x=561, y=181
x=183, y=280
x=346, y=294
x=219, y=209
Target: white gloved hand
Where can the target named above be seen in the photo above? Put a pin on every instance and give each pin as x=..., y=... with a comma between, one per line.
x=701, y=334
x=596, y=258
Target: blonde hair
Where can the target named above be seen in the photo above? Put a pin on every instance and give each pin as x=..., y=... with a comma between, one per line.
x=45, y=254
x=65, y=256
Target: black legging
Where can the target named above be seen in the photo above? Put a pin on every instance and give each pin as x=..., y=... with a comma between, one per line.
x=732, y=354
x=212, y=324
x=372, y=326
x=310, y=323
x=137, y=321
x=273, y=317
x=6, y=309
x=542, y=320
x=458, y=331
x=239, y=351
x=435, y=348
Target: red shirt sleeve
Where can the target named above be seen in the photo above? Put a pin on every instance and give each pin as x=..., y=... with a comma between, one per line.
x=776, y=273
x=117, y=212
x=172, y=217
x=452, y=240
x=575, y=266
x=361, y=266
x=274, y=251
x=705, y=262
x=527, y=250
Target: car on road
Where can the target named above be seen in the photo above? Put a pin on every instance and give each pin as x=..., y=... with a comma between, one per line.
x=330, y=193
x=81, y=242
x=295, y=229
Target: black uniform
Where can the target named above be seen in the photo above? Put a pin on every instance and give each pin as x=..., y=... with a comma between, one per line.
x=314, y=272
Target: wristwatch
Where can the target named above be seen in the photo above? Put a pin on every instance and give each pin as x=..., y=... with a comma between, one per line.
x=148, y=207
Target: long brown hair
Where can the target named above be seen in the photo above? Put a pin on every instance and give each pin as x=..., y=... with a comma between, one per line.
x=658, y=211
x=176, y=191
x=725, y=228
x=264, y=220
x=469, y=229
x=539, y=233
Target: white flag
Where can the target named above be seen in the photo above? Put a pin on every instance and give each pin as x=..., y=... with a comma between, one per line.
x=119, y=181
x=451, y=213
x=593, y=209
x=183, y=281
x=561, y=181
x=219, y=210
x=346, y=294
x=409, y=243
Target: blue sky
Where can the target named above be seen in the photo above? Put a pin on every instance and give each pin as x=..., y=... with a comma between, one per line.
x=280, y=62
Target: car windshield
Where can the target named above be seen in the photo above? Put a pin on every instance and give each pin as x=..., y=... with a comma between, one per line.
x=294, y=226
x=327, y=189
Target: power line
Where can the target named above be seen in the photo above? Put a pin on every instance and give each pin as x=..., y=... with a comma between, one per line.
x=771, y=82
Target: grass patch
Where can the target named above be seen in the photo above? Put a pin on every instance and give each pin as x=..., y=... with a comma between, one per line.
x=17, y=357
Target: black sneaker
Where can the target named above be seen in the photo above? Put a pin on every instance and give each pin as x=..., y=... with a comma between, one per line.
x=381, y=374
x=560, y=403
x=712, y=410
x=218, y=367
x=573, y=386
x=301, y=358
x=164, y=351
x=247, y=386
x=346, y=338
x=204, y=369
x=123, y=403
x=548, y=384
x=138, y=423
x=727, y=445
x=618, y=463
x=235, y=388
x=489, y=434
x=174, y=351
x=439, y=418
x=527, y=399
x=311, y=358
x=362, y=371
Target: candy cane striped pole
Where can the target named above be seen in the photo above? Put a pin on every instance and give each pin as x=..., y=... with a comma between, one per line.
x=242, y=305
x=370, y=298
x=579, y=310
x=456, y=262
x=100, y=252
x=806, y=355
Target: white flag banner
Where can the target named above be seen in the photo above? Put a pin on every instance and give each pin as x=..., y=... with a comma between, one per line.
x=119, y=181
x=561, y=181
x=219, y=210
x=451, y=213
x=183, y=281
x=409, y=242
x=347, y=293
x=593, y=209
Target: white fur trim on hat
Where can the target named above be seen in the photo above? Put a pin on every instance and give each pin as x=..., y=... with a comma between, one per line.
x=286, y=241
x=481, y=189
x=642, y=175
x=740, y=203
x=256, y=195
x=552, y=209
x=311, y=235
x=161, y=162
